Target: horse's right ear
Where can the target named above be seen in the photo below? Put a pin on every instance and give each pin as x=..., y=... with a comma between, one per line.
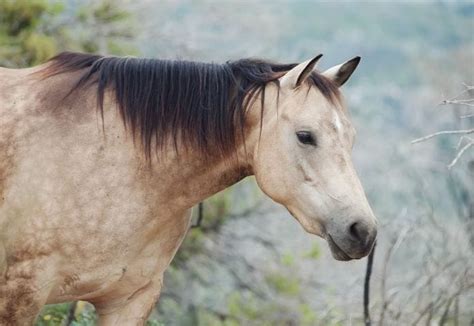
x=298, y=74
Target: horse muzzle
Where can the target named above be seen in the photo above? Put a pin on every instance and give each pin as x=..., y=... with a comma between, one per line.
x=352, y=242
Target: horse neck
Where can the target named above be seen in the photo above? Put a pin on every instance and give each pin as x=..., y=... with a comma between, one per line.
x=191, y=179
x=197, y=179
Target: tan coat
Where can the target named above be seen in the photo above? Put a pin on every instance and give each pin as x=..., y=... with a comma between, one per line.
x=84, y=216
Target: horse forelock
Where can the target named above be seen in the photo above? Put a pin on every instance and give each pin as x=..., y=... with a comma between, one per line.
x=198, y=105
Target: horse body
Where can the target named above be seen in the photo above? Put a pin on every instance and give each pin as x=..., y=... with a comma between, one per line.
x=85, y=206
x=84, y=215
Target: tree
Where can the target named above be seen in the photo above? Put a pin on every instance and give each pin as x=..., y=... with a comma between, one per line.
x=32, y=31
x=24, y=38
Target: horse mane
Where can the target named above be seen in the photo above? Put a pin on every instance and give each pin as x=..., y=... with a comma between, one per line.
x=201, y=105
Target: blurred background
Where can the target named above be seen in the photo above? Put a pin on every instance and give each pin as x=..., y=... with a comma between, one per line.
x=250, y=263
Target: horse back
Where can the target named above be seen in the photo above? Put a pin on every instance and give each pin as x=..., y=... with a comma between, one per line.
x=31, y=122
x=10, y=90
x=18, y=92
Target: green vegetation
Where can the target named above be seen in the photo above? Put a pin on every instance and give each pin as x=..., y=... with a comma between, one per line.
x=54, y=315
x=243, y=307
x=288, y=260
x=26, y=37
x=215, y=211
x=314, y=252
x=32, y=31
x=308, y=316
x=283, y=285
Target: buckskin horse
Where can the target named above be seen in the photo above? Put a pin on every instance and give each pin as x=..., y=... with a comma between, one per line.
x=102, y=158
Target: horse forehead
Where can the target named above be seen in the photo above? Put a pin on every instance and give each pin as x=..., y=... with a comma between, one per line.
x=314, y=106
x=330, y=113
x=336, y=120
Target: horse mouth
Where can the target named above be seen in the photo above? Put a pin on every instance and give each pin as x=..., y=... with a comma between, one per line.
x=336, y=251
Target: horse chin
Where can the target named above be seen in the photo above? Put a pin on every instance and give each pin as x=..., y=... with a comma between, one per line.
x=320, y=231
x=309, y=226
x=337, y=252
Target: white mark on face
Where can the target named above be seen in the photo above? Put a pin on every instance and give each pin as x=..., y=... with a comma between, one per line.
x=336, y=121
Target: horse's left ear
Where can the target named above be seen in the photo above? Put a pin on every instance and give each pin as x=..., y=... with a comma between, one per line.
x=296, y=76
x=341, y=73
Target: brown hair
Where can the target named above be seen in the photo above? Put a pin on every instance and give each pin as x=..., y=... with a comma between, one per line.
x=202, y=105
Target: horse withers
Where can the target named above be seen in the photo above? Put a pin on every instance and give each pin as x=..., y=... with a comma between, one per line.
x=102, y=158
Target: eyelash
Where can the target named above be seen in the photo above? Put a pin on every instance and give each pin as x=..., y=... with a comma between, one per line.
x=306, y=138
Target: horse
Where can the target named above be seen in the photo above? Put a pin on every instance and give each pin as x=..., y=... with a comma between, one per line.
x=103, y=158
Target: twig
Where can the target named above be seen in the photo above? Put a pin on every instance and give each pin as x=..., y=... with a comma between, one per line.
x=466, y=100
x=458, y=102
x=444, y=316
x=456, y=312
x=393, y=247
x=468, y=87
x=439, y=302
x=71, y=316
x=200, y=215
x=455, y=98
x=459, y=154
x=368, y=273
x=461, y=139
x=444, y=132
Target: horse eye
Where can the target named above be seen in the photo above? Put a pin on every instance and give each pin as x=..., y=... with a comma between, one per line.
x=306, y=137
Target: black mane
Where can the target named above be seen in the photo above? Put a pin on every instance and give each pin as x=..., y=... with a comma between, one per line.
x=200, y=105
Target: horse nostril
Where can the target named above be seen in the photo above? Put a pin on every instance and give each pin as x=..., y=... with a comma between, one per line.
x=359, y=231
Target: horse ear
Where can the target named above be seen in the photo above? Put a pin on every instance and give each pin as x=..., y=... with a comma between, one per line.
x=298, y=74
x=341, y=73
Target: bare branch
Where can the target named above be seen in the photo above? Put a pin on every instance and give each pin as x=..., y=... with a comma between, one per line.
x=468, y=87
x=455, y=100
x=444, y=132
x=461, y=139
x=458, y=102
x=368, y=273
x=71, y=316
x=393, y=247
x=459, y=154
